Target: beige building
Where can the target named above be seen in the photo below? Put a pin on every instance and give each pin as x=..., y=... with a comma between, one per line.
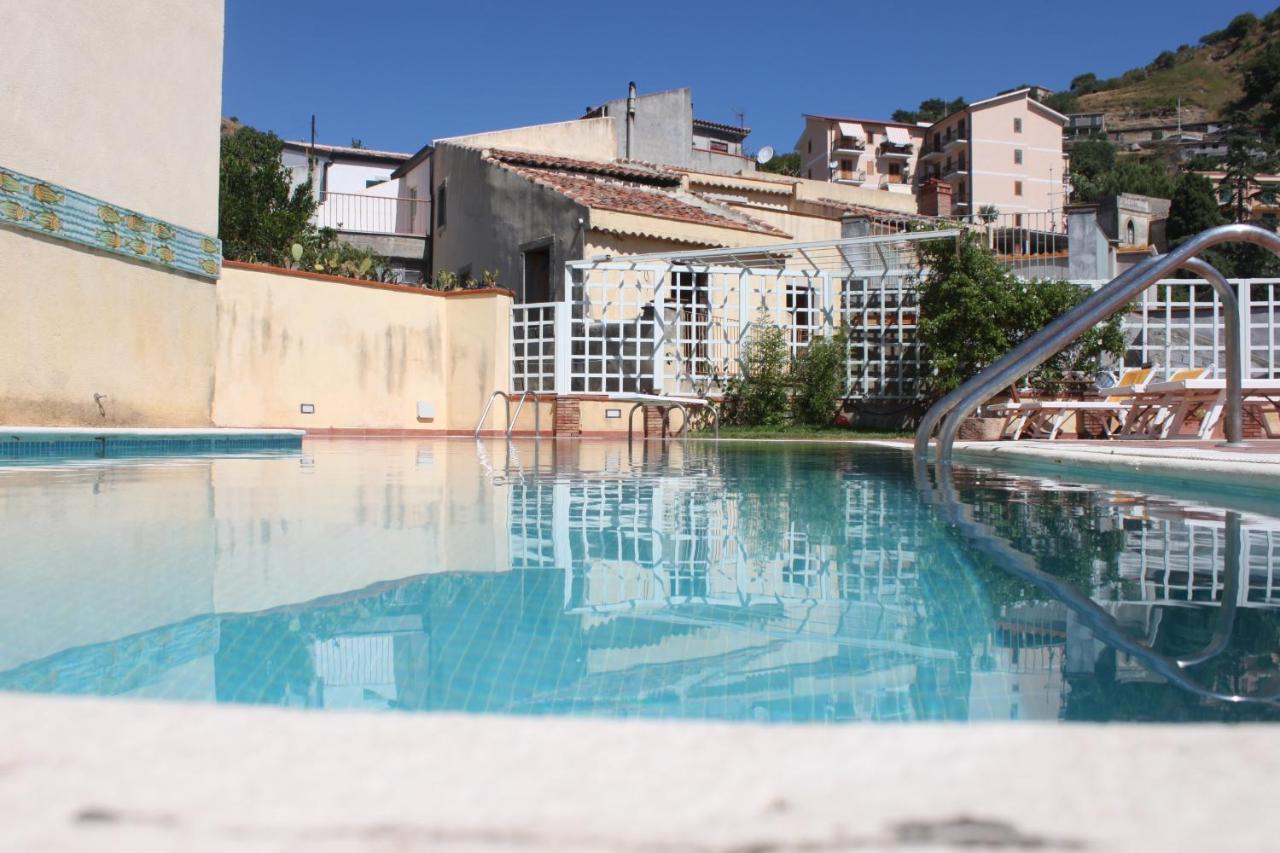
x=1004, y=153
x=870, y=153
x=523, y=202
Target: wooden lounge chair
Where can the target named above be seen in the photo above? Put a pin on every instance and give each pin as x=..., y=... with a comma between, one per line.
x=1045, y=418
x=1162, y=406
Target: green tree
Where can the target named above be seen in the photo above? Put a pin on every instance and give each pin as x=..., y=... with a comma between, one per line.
x=1260, y=99
x=1097, y=171
x=819, y=376
x=973, y=310
x=783, y=164
x=259, y=216
x=1063, y=102
x=930, y=110
x=1193, y=209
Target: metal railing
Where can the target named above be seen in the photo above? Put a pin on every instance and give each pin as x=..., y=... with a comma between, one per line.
x=955, y=407
x=511, y=418
x=372, y=214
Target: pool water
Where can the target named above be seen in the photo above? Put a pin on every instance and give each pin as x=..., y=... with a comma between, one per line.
x=778, y=583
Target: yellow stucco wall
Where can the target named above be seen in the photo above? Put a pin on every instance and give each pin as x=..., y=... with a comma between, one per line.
x=117, y=100
x=363, y=356
x=78, y=323
x=96, y=102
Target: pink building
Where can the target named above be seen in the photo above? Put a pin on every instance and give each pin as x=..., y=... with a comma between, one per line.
x=871, y=153
x=1003, y=153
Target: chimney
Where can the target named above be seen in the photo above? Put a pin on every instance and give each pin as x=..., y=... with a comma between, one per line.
x=631, y=115
x=935, y=198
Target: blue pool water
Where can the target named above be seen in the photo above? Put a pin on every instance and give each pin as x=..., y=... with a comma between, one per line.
x=781, y=583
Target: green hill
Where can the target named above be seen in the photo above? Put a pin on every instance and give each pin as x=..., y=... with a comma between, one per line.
x=1206, y=77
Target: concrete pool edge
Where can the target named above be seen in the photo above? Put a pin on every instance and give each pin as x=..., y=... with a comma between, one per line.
x=17, y=441
x=108, y=774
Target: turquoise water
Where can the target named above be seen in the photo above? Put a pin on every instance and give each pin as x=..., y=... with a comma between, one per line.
x=784, y=583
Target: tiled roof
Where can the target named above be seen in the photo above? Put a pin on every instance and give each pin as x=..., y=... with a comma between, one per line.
x=626, y=187
x=723, y=128
x=631, y=170
x=347, y=151
x=877, y=212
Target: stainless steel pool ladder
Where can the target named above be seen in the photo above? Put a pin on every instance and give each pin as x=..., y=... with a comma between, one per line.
x=511, y=419
x=954, y=408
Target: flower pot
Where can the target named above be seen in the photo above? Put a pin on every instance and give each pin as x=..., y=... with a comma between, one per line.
x=981, y=429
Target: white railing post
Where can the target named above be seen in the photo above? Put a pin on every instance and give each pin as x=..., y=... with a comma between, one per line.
x=564, y=335
x=1244, y=304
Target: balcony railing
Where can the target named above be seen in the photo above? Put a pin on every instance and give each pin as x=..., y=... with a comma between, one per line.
x=368, y=214
x=895, y=149
x=849, y=145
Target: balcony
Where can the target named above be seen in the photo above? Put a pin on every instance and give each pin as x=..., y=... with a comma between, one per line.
x=954, y=144
x=849, y=146
x=845, y=177
x=370, y=214
x=957, y=170
x=930, y=154
x=895, y=150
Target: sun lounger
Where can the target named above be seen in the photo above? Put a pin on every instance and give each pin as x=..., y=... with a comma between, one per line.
x=1045, y=418
x=1183, y=398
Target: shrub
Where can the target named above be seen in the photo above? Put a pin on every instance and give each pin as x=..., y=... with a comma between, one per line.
x=322, y=251
x=819, y=380
x=758, y=395
x=973, y=310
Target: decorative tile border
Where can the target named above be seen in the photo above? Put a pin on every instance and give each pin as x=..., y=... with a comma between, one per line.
x=46, y=208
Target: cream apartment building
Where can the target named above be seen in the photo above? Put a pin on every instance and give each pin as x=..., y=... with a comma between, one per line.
x=1004, y=153
x=870, y=153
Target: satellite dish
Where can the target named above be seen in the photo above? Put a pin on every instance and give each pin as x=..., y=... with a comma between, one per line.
x=765, y=155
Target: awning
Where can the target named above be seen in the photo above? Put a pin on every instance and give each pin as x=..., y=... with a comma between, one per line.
x=851, y=128
x=898, y=135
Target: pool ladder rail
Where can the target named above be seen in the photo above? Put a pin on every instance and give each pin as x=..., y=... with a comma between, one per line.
x=954, y=408
x=511, y=419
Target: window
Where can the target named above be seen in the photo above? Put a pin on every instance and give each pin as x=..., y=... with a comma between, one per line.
x=810, y=146
x=960, y=129
x=413, y=208
x=799, y=306
x=1017, y=125
x=719, y=146
x=692, y=301
x=1225, y=195
x=810, y=174
x=537, y=274
x=846, y=166
x=1017, y=156
x=960, y=161
x=441, y=206
x=1017, y=188
x=1130, y=238
x=937, y=141
x=1017, y=220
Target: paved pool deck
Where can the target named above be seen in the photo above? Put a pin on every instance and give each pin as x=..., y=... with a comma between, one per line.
x=83, y=774
x=1256, y=465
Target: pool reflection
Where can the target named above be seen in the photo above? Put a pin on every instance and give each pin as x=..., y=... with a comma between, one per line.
x=785, y=583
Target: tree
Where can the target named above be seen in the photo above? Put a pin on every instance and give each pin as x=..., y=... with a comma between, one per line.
x=973, y=310
x=783, y=164
x=1193, y=209
x=1063, y=102
x=1260, y=99
x=1097, y=171
x=259, y=216
x=1083, y=84
x=930, y=110
x=758, y=395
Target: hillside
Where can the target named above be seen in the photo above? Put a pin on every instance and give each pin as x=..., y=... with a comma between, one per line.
x=1207, y=77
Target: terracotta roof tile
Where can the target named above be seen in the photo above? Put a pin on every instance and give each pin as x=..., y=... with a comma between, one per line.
x=633, y=170
x=626, y=187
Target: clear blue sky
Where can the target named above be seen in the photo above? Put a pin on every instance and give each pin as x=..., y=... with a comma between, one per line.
x=397, y=74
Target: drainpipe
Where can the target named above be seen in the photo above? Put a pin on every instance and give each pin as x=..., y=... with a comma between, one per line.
x=631, y=115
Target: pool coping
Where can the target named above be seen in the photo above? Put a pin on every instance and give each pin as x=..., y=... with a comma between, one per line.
x=51, y=434
x=94, y=774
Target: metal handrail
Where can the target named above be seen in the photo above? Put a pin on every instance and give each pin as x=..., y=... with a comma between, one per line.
x=956, y=406
x=511, y=419
x=489, y=405
x=537, y=414
x=982, y=538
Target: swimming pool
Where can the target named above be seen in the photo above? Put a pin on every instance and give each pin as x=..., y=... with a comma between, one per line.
x=780, y=583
